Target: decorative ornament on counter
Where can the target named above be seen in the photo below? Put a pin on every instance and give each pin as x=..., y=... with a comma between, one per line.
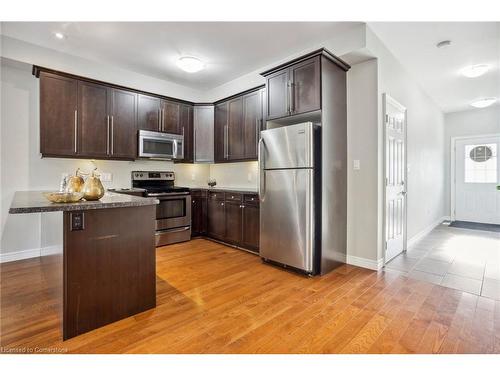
x=212, y=182
x=74, y=184
x=93, y=189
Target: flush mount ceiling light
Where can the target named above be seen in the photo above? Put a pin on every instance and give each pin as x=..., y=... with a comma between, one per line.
x=474, y=71
x=483, y=103
x=59, y=35
x=443, y=43
x=190, y=64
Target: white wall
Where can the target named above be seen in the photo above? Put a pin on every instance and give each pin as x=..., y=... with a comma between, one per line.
x=425, y=147
x=22, y=168
x=236, y=175
x=467, y=123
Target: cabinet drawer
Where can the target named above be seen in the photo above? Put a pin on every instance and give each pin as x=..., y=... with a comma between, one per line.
x=251, y=199
x=198, y=193
x=233, y=197
x=216, y=195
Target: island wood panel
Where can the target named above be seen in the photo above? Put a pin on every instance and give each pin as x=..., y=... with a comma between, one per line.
x=109, y=267
x=216, y=299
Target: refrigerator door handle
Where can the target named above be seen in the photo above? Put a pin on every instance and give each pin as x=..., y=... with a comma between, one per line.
x=262, y=177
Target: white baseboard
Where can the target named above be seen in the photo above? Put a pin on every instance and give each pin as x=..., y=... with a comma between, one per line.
x=365, y=263
x=30, y=253
x=425, y=231
x=19, y=255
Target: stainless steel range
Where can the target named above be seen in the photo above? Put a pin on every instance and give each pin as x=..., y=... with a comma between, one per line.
x=173, y=213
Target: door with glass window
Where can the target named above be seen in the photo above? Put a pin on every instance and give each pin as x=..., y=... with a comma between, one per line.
x=477, y=172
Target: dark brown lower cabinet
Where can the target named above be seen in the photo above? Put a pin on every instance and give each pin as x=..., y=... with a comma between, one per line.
x=251, y=226
x=216, y=218
x=228, y=216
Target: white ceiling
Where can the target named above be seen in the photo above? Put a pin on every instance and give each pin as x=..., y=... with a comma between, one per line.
x=438, y=69
x=229, y=49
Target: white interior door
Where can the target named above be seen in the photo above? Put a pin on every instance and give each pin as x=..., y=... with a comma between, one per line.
x=477, y=172
x=395, y=177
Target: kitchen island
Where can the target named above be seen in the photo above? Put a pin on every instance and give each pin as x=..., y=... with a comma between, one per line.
x=105, y=269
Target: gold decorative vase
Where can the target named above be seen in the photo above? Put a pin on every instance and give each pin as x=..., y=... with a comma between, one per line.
x=93, y=189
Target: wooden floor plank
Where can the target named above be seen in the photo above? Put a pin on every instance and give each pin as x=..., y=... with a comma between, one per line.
x=215, y=299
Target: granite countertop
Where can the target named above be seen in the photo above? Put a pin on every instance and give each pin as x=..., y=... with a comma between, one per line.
x=25, y=202
x=234, y=190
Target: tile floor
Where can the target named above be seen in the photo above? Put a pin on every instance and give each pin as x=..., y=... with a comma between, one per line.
x=463, y=259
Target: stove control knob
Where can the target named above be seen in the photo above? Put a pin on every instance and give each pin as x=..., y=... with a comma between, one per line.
x=140, y=175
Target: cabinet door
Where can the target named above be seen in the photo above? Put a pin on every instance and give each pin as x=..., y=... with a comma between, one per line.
x=252, y=118
x=233, y=222
x=198, y=215
x=123, y=132
x=186, y=128
x=277, y=94
x=251, y=227
x=204, y=134
x=235, y=148
x=58, y=111
x=148, y=113
x=220, y=134
x=171, y=117
x=93, y=120
x=216, y=219
x=306, y=86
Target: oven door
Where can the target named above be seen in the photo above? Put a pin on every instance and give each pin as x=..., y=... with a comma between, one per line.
x=173, y=211
x=156, y=145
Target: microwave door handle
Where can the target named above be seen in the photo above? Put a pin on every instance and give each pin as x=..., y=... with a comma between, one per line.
x=175, y=149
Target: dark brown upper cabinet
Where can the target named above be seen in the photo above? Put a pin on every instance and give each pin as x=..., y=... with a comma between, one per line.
x=220, y=134
x=252, y=122
x=294, y=90
x=170, y=117
x=93, y=120
x=237, y=126
x=123, y=124
x=186, y=129
x=295, y=87
x=234, y=138
x=58, y=115
x=148, y=113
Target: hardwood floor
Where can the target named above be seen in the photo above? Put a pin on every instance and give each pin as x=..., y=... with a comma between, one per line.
x=215, y=299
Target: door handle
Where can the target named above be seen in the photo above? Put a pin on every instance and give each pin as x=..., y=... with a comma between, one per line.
x=226, y=146
x=159, y=119
x=175, y=149
x=291, y=90
x=287, y=84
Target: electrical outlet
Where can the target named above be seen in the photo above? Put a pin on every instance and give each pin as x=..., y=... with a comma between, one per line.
x=106, y=177
x=193, y=177
x=249, y=177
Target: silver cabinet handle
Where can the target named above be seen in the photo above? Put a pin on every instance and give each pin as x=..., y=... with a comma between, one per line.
x=162, y=120
x=226, y=141
x=107, y=135
x=292, y=97
x=289, y=94
x=287, y=83
x=257, y=130
x=159, y=119
x=112, y=135
x=76, y=130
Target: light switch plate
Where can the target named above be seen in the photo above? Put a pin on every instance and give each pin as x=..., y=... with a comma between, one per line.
x=357, y=165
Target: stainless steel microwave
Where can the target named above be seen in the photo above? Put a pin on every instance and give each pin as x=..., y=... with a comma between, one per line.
x=164, y=146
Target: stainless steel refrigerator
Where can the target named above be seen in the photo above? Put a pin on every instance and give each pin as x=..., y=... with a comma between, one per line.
x=290, y=196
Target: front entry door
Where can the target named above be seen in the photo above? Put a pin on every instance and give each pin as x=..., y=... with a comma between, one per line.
x=477, y=172
x=395, y=177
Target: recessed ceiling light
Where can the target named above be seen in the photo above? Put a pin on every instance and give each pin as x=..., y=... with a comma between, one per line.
x=190, y=64
x=59, y=35
x=443, y=43
x=474, y=71
x=483, y=103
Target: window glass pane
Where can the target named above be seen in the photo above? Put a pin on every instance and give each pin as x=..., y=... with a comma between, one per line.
x=481, y=163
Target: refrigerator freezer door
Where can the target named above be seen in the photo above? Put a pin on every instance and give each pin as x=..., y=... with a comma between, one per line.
x=287, y=147
x=286, y=217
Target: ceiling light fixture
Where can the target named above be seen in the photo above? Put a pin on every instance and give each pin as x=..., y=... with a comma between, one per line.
x=190, y=64
x=483, y=103
x=474, y=71
x=59, y=35
x=443, y=43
